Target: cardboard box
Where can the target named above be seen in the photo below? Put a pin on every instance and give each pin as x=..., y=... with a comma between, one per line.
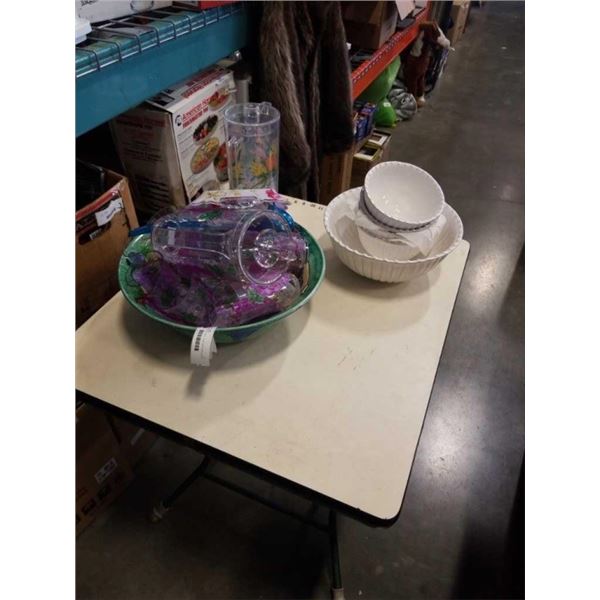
x=133, y=440
x=335, y=172
x=376, y=150
x=102, y=472
x=379, y=138
x=458, y=14
x=101, y=234
x=368, y=156
x=369, y=24
x=170, y=143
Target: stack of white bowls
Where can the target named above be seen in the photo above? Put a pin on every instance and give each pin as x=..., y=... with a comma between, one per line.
x=397, y=227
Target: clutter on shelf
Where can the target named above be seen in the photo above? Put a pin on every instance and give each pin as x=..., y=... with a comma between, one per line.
x=420, y=56
x=367, y=67
x=363, y=119
x=377, y=93
x=399, y=90
x=380, y=87
x=173, y=145
x=104, y=10
x=369, y=24
x=124, y=61
x=423, y=46
x=402, y=101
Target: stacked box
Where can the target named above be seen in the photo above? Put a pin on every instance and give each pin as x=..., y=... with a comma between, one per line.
x=173, y=145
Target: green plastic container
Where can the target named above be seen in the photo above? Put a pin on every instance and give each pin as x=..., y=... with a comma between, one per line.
x=381, y=87
x=225, y=335
x=385, y=115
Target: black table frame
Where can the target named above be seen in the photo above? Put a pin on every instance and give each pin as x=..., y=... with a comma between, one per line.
x=211, y=455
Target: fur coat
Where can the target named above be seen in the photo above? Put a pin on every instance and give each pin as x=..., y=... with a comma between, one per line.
x=304, y=71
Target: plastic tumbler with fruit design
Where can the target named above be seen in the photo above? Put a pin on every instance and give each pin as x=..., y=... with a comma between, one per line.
x=252, y=132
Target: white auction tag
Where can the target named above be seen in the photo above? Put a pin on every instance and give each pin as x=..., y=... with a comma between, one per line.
x=106, y=214
x=203, y=346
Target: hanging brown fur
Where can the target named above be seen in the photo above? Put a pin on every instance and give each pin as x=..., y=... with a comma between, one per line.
x=304, y=72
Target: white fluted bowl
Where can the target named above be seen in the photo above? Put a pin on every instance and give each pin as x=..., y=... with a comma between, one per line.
x=340, y=226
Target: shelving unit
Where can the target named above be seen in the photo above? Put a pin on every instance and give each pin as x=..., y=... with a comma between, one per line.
x=126, y=61
x=364, y=75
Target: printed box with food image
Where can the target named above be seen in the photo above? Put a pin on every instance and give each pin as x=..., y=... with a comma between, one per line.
x=173, y=145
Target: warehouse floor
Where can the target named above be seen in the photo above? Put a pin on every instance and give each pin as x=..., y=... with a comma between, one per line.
x=459, y=534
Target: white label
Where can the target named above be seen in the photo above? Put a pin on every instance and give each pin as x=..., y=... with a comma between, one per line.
x=105, y=215
x=104, y=471
x=203, y=346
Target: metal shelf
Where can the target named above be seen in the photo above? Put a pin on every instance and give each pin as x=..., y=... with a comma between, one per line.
x=126, y=61
x=364, y=75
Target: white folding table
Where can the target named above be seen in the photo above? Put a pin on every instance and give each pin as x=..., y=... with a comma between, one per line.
x=329, y=402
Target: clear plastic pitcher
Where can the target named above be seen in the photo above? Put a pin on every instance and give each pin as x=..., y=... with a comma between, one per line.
x=256, y=242
x=252, y=132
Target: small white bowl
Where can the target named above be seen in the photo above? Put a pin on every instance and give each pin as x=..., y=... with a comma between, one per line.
x=380, y=248
x=402, y=195
x=341, y=228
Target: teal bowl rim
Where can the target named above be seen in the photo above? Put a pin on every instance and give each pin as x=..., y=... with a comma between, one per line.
x=247, y=326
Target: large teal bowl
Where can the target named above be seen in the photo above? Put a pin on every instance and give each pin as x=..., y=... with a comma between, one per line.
x=224, y=335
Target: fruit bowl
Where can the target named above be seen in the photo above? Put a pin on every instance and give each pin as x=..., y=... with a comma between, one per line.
x=225, y=335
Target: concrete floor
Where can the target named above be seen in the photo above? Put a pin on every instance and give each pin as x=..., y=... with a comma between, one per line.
x=459, y=534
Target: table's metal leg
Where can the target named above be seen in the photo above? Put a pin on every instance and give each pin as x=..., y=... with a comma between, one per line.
x=337, y=590
x=159, y=511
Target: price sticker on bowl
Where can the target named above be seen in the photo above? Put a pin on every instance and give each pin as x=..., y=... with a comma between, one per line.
x=203, y=346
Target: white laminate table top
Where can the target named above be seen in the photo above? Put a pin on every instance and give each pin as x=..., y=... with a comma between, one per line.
x=332, y=398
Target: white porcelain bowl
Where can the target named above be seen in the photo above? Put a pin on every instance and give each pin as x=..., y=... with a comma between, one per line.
x=402, y=195
x=340, y=226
